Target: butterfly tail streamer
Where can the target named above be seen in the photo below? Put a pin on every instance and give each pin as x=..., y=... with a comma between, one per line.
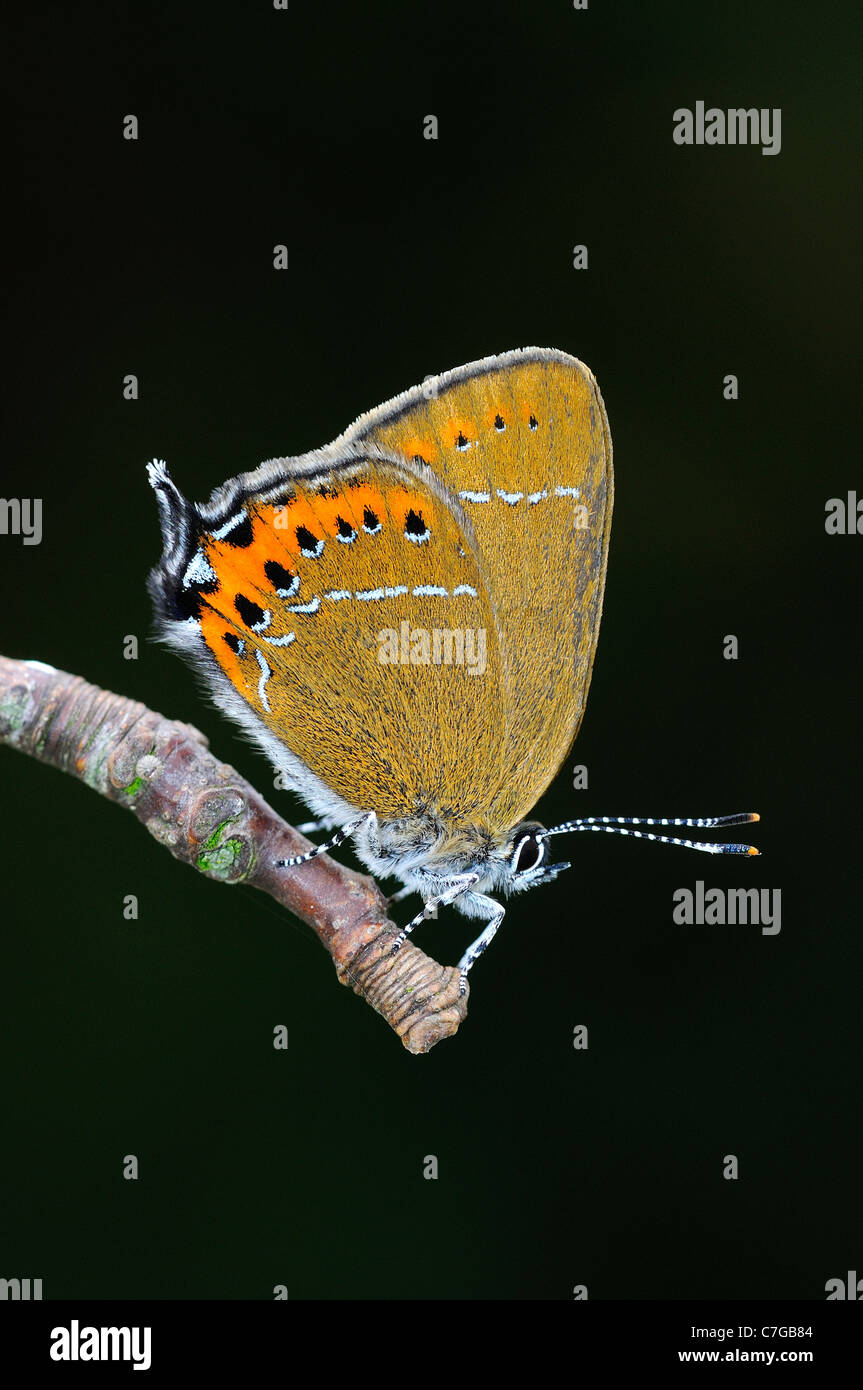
x=207, y=816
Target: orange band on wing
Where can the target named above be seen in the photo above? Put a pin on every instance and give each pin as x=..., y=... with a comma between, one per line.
x=495, y=413
x=213, y=629
x=416, y=448
x=456, y=428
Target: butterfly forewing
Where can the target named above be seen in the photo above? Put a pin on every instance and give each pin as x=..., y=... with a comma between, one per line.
x=522, y=441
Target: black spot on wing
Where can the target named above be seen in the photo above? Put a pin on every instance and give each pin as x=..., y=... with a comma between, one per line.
x=241, y=535
x=251, y=613
x=309, y=544
x=279, y=577
x=414, y=524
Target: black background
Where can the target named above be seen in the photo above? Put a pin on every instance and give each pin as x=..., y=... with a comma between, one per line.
x=408, y=257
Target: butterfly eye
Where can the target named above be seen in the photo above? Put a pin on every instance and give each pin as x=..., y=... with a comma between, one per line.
x=528, y=853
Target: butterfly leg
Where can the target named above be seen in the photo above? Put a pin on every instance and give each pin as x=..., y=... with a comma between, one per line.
x=332, y=843
x=373, y=839
x=402, y=893
x=310, y=827
x=488, y=932
x=457, y=887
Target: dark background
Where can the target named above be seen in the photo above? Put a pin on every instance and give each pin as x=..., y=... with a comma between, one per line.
x=408, y=257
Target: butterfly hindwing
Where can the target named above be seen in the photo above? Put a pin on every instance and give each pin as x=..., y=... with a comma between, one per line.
x=340, y=615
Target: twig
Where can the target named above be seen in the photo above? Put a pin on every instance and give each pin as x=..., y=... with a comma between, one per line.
x=209, y=817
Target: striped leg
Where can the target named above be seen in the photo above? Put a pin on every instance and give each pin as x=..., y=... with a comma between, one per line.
x=332, y=843
x=475, y=950
x=457, y=887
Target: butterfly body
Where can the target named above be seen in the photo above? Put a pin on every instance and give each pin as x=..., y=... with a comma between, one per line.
x=405, y=621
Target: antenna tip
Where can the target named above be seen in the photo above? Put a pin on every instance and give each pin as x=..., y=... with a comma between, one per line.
x=754, y=816
x=752, y=850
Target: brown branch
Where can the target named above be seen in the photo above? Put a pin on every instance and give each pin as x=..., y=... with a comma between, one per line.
x=209, y=817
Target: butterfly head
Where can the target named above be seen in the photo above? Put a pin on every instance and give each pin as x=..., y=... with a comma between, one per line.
x=508, y=863
x=524, y=861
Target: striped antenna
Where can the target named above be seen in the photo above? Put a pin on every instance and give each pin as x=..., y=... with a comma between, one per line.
x=619, y=825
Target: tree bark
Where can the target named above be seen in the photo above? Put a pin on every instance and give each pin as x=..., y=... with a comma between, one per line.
x=207, y=816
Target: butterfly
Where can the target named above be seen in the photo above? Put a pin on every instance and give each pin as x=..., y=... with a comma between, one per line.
x=405, y=621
